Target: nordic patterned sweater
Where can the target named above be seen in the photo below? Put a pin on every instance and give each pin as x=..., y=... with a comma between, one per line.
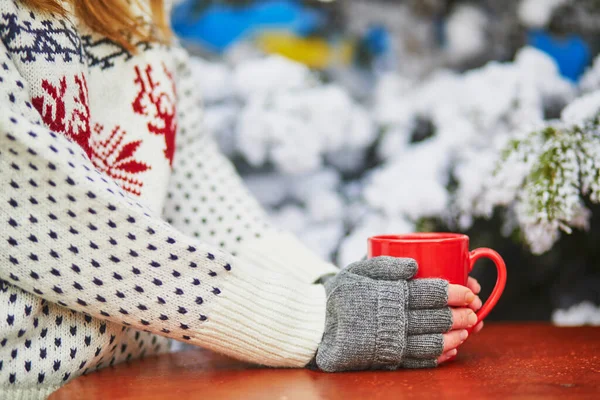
x=122, y=225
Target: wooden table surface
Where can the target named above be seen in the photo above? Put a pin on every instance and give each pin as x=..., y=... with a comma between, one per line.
x=527, y=361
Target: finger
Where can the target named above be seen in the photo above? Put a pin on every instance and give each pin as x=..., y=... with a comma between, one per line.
x=475, y=304
x=463, y=318
x=478, y=327
x=474, y=285
x=424, y=346
x=429, y=321
x=459, y=295
x=427, y=293
x=453, y=339
x=446, y=356
x=385, y=268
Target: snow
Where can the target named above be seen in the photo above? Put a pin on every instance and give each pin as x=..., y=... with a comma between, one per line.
x=585, y=313
x=474, y=115
x=465, y=32
x=537, y=13
x=271, y=74
x=413, y=185
x=215, y=78
x=354, y=247
x=340, y=160
x=581, y=109
x=288, y=119
x=307, y=145
x=590, y=80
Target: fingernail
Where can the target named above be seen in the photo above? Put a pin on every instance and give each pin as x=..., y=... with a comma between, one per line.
x=479, y=304
x=469, y=297
x=464, y=334
x=472, y=319
x=450, y=354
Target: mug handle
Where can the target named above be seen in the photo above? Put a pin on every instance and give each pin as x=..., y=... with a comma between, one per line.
x=500, y=280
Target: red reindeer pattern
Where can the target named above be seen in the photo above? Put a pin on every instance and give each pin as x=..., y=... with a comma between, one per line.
x=112, y=156
x=51, y=107
x=154, y=102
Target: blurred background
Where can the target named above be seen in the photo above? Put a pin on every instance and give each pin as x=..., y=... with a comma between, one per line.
x=349, y=118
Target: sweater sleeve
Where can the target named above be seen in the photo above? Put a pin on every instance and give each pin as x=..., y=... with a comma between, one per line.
x=208, y=200
x=72, y=237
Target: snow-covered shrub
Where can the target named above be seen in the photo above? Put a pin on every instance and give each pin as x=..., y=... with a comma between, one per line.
x=453, y=173
x=455, y=146
x=446, y=138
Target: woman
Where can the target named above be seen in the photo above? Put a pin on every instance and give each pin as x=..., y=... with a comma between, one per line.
x=94, y=97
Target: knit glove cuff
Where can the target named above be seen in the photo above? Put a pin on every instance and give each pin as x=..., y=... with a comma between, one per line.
x=374, y=322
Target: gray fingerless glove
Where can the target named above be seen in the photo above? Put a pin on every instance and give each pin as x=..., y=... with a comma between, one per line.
x=377, y=318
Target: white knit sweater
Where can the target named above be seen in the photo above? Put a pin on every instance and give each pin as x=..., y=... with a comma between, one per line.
x=97, y=146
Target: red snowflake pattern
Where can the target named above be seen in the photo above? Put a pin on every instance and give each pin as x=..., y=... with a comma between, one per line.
x=154, y=102
x=116, y=159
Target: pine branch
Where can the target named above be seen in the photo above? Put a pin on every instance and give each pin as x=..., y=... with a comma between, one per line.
x=564, y=169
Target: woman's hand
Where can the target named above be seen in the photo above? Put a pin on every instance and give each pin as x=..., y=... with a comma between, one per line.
x=464, y=302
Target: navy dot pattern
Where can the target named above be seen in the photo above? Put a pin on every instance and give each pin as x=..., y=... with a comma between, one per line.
x=86, y=273
x=206, y=198
x=90, y=277
x=42, y=342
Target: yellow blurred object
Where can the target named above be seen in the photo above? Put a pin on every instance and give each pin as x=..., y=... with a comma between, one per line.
x=313, y=52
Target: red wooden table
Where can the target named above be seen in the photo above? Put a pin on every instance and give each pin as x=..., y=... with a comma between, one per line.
x=526, y=361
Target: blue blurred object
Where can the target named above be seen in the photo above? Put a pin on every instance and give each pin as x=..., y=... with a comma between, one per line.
x=377, y=40
x=218, y=26
x=571, y=53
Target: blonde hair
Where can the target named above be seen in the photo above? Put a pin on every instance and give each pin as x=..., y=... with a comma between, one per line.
x=119, y=20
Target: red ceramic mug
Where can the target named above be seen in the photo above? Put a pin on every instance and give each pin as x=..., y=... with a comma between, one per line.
x=441, y=255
